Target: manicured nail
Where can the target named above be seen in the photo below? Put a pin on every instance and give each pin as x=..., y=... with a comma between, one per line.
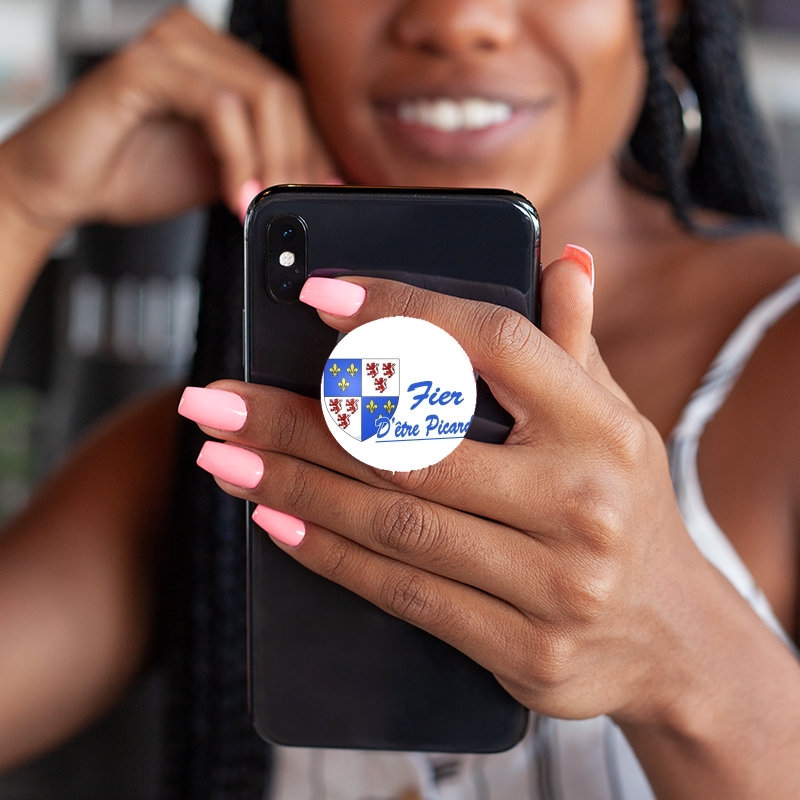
x=225, y=411
x=341, y=298
x=232, y=464
x=580, y=255
x=283, y=527
x=250, y=188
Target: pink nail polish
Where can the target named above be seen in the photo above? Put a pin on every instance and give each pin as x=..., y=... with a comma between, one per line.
x=283, y=527
x=580, y=255
x=232, y=464
x=216, y=408
x=341, y=298
x=249, y=190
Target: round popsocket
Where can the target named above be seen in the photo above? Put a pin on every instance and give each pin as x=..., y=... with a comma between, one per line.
x=398, y=393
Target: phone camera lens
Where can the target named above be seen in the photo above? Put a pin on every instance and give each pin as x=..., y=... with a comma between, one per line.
x=286, y=257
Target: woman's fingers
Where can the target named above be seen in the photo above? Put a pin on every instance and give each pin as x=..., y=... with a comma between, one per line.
x=490, y=631
x=515, y=485
x=530, y=375
x=167, y=87
x=179, y=118
x=491, y=557
x=285, y=147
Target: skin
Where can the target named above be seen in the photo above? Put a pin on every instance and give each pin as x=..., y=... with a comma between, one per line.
x=576, y=582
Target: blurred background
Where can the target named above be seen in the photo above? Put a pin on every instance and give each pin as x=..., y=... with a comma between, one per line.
x=114, y=314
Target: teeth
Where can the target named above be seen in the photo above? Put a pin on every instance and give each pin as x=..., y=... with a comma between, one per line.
x=448, y=115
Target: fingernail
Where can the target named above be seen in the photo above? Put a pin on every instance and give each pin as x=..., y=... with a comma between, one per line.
x=580, y=255
x=283, y=527
x=250, y=188
x=232, y=464
x=341, y=298
x=216, y=408
x=334, y=180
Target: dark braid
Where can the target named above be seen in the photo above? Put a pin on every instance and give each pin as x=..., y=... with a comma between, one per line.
x=212, y=750
x=265, y=25
x=733, y=172
x=656, y=143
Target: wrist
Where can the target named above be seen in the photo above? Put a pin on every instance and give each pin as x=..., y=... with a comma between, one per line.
x=25, y=244
x=724, y=718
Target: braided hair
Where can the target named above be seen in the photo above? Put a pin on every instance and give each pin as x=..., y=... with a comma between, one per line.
x=211, y=749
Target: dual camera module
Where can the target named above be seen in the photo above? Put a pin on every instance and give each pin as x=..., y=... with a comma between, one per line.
x=287, y=244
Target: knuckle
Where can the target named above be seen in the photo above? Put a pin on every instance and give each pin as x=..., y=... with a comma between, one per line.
x=594, y=361
x=406, y=525
x=409, y=301
x=133, y=59
x=456, y=469
x=551, y=665
x=594, y=514
x=288, y=427
x=167, y=27
x=506, y=333
x=627, y=438
x=412, y=598
x=300, y=490
x=335, y=559
x=589, y=591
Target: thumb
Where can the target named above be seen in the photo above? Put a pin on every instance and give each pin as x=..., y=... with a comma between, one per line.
x=568, y=303
x=567, y=310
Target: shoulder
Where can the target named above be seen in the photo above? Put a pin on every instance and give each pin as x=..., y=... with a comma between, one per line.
x=763, y=271
x=749, y=458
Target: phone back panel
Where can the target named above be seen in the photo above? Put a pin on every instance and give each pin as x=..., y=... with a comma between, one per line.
x=327, y=668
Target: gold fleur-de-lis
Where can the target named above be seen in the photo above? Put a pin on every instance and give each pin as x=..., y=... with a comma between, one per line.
x=343, y=384
x=371, y=407
x=352, y=369
x=334, y=370
x=389, y=406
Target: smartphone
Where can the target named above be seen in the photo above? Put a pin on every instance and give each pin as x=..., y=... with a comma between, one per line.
x=327, y=668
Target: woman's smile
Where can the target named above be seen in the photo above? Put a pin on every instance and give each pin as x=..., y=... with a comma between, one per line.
x=458, y=126
x=526, y=96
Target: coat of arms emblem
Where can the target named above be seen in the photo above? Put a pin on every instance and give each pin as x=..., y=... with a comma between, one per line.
x=360, y=394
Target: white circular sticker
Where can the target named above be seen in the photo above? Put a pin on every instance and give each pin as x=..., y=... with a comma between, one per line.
x=398, y=393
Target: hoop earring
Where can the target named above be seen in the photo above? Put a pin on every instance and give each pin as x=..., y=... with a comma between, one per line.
x=691, y=120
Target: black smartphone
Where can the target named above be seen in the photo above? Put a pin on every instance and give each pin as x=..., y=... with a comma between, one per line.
x=327, y=668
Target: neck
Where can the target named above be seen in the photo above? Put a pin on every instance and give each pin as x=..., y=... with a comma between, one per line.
x=609, y=217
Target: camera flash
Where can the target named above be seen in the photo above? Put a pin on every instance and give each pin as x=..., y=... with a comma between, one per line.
x=286, y=258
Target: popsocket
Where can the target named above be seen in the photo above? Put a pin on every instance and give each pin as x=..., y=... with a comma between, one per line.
x=398, y=393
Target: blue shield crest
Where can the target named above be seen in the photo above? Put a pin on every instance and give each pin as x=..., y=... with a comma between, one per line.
x=360, y=394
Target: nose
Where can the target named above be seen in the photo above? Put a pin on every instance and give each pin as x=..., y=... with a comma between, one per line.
x=451, y=27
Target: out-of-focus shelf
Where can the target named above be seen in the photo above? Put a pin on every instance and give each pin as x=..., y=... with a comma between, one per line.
x=773, y=61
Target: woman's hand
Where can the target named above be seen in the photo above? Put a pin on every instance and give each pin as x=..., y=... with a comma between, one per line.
x=551, y=559
x=177, y=119
x=557, y=560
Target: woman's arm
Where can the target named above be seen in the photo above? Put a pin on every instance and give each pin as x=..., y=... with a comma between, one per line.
x=77, y=572
x=180, y=118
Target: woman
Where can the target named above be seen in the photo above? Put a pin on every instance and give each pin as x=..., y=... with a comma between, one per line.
x=580, y=583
